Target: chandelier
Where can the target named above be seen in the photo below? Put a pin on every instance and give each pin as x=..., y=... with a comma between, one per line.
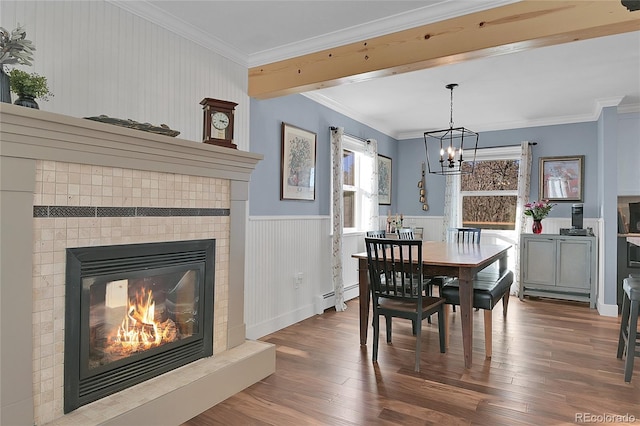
x=448, y=149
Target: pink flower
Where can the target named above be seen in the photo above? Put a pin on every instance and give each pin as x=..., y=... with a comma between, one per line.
x=538, y=210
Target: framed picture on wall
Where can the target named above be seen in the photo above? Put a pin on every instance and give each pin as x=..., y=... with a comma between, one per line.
x=384, y=180
x=562, y=178
x=298, y=165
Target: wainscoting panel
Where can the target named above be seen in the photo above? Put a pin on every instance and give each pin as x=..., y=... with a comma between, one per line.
x=279, y=248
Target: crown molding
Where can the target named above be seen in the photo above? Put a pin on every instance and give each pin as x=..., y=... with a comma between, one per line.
x=487, y=127
x=151, y=13
x=445, y=9
x=441, y=11
x=348, y=112
x=629, y=108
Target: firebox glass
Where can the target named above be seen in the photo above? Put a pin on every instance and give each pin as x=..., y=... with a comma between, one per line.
x=140, y=311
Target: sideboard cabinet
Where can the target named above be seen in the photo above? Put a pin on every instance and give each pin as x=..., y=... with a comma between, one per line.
x=558, y=266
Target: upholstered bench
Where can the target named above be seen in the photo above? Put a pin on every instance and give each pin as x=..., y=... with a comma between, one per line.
x=488, y=289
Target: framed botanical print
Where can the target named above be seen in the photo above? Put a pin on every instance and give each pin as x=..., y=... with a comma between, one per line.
x=384, y=180
x=562, y=178
x=298, y=165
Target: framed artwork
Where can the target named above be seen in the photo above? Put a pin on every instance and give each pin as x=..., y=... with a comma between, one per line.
x=562, y=178
x=298, y=165
x=384, y=180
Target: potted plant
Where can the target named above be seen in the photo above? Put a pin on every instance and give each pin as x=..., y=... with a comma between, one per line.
x=29, y=87
x=14, y=49
x=538, y=210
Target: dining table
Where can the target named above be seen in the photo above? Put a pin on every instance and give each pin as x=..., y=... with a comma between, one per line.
x=460, y=260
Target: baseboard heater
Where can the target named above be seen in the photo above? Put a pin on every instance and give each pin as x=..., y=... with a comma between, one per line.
x=327, y=300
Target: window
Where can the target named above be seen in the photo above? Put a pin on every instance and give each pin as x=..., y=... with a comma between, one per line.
x=489, y=195
x=349, y=188
x=356, y=190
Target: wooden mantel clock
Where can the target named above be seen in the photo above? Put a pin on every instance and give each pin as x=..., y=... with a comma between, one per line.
x=218, y=122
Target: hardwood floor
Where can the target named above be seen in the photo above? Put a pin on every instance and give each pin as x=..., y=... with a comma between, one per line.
x=553, y=361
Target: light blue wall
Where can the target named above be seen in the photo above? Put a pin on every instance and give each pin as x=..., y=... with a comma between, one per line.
x=566, y=139
x=558, y=140
x=266, y=138
x=608, y=198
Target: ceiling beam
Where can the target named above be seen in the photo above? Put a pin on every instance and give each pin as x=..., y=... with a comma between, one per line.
x=512, y=28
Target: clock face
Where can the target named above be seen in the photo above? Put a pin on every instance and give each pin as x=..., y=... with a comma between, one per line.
x=220, y=120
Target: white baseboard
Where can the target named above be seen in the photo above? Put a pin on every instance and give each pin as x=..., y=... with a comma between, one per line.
x=318, y=307
x=278, y=323
x=607, y=310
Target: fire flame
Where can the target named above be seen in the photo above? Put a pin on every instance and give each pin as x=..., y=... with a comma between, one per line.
x=139, y=329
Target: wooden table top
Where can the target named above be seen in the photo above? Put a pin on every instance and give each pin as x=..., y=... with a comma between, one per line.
x=440, y=253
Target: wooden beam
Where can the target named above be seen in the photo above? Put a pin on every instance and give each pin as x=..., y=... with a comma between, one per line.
x=512, y=28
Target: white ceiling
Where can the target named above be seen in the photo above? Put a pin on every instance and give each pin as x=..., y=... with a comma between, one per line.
x=551, y=85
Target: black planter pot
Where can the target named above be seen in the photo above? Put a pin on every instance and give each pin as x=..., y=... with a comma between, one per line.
x=5, y=90
x=26, y=101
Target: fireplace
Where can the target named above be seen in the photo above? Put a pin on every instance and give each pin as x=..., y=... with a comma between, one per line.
x=123, y=186
x=134, y=312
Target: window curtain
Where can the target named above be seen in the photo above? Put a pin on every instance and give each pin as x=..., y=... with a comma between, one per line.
x=524, y=187
x=370, y=168
x=338, y=218
x=451, y=205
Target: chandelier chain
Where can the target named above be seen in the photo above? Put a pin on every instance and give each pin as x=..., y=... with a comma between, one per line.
x=451, y=112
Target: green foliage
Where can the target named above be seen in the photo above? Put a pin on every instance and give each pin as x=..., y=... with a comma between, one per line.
x=15, y=48
x=35, y=85
x=538, y=210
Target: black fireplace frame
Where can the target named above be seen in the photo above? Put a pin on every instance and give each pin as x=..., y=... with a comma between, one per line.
x=82, y=387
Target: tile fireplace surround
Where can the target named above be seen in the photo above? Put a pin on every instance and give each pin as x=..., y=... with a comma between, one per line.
x=50, y=160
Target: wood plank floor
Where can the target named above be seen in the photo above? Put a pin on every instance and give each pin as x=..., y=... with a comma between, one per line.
x=553, y=361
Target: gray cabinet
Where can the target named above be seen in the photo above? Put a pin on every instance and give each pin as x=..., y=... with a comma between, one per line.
x=558, y=266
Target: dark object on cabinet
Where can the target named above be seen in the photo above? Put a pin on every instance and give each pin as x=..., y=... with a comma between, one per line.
x=634, y=218
x=577, y=216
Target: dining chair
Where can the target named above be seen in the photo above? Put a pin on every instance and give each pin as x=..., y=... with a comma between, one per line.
x=465, y=235
x=395, y=271
x=628, y=343
x=405, y=234
x=379, y=233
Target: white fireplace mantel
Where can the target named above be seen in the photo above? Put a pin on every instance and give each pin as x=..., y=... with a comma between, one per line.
x=28, y=136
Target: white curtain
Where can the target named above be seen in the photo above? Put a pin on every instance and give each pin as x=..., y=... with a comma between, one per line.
x=524, y=186
x=370, y=168
x=451, y=205
x=338, y=218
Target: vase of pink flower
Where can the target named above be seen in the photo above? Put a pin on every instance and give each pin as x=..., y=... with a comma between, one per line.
x=538, y=210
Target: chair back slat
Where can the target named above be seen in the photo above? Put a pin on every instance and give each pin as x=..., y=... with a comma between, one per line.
x=395, y=269
x=378, y=233
x=395, y=277
x=465, y=235
x=405, y=234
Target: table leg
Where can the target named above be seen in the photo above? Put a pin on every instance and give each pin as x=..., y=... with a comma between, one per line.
x=363, y=287
x=503, y=263
x=465, y=278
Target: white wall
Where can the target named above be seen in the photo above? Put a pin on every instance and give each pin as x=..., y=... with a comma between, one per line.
x=100, y=59
x=279, y=248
